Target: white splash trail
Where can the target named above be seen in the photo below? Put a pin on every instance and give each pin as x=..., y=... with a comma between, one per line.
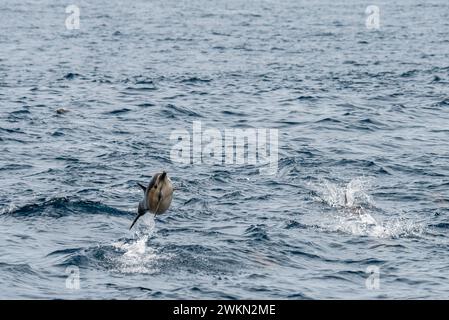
x=138, y=257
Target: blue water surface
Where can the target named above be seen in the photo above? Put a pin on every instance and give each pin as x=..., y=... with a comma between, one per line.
x=363, y=170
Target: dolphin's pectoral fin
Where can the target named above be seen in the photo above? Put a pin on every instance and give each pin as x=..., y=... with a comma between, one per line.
x=135, y=220
x=142, y=187
x=140, y=212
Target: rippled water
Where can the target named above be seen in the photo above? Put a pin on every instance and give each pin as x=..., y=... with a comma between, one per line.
x=362, y=116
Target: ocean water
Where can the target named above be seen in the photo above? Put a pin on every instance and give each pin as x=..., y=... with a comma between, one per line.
x=358, y=208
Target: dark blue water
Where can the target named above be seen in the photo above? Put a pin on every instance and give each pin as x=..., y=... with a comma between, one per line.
x=361, y=113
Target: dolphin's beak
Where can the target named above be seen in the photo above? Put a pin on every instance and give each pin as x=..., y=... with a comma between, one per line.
x=163, y=175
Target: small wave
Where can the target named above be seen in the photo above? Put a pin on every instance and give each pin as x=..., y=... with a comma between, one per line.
x=370, y=121
x=301, y=98
x=71, y=76
x=12, y=130
x=119, y=111
x=138, y=84
x=441, y=225
x=15, y=166
x=20, y=112
x=233, y=113
x=192, y=258
x=139, y=80
x=195, y=80
x=19, y=269
x=292, y=224
x=196, y=203
x=328, y=120
x=171, y=110
x=443, y=103
x=146, y=104
x=60, y=207
x=409, y=73
x=138, y=88
x=257, y=232
x=58, y=133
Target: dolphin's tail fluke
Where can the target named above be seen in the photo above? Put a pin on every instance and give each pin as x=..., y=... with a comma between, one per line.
x=135, y=220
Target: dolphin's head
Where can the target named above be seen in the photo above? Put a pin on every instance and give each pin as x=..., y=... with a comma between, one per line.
x=161, y=183
x=157, y=183
x=160, y=193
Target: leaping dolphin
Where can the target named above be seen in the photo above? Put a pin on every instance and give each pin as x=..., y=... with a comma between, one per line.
x=157, y=196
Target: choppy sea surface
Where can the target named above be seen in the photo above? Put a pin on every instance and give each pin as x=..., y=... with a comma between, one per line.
x=361, y=193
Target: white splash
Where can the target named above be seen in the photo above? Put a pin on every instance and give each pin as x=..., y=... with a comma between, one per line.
x=354, y=194
x=8, y=209
x=138, y=257
x=355, y=209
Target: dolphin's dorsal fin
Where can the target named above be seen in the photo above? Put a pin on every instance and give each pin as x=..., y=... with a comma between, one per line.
x=142, y=187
